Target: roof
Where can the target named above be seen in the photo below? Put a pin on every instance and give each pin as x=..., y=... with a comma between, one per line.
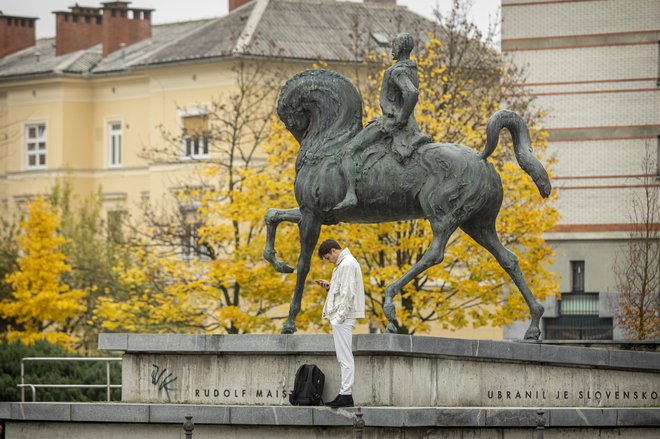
x=292, y=29
x=331, y=33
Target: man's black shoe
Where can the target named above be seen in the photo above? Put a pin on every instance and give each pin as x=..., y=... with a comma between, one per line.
x=341, y=401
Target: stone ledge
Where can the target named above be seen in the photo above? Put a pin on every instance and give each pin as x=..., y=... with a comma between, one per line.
x=5, y=410
x=581, y=417
x=323, y=416
x=370, y=344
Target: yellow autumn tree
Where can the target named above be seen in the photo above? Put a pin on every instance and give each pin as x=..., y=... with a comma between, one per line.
x=8, y=261
x=41, y=307
x=197, y=263
x=235, y=223
x=147, y=299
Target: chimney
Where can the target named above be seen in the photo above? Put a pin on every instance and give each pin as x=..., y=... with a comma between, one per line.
x=382, y=2
x=124, y=25
x=77, y=29
x=16, y=33
x=233, y=4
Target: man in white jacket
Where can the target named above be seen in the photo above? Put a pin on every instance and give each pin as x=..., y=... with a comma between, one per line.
x=343, y=305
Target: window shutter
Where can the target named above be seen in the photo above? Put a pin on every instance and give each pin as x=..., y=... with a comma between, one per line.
x=195, y=125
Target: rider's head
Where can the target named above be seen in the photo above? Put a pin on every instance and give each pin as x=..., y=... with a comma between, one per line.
x=402, y=45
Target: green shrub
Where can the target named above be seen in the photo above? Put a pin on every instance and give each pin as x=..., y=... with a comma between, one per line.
x=52, y=372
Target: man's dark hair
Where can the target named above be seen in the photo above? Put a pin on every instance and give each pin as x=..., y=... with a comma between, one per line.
x=326, y=246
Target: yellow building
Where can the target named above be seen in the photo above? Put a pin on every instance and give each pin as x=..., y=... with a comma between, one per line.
x=86, y=104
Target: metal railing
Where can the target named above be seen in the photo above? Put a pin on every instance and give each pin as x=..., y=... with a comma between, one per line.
x=578, y=327
x=108, y=385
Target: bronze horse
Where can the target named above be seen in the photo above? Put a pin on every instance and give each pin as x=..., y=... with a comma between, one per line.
x=448, y=184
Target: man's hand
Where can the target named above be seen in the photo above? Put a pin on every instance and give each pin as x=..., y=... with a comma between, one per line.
x=324, y=284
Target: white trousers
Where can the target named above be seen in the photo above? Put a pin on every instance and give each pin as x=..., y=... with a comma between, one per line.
x=343, y=336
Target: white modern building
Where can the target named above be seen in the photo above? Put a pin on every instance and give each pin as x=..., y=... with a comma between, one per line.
x=594, y=66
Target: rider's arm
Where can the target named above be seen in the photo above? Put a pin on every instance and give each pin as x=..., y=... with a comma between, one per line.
x=409, y=93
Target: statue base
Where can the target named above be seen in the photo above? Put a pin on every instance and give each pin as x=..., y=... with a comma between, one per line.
x=237, y=386
x=391, y=370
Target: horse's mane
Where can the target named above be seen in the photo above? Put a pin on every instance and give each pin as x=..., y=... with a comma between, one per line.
x=321, y=108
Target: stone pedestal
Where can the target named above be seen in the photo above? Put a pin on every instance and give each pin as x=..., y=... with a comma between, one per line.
x=391, y=370
x=417, y=387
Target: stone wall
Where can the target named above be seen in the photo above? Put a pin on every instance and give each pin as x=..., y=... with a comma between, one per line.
x=157, y=421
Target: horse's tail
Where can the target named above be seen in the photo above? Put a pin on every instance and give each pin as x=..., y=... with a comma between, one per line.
x=522, y=146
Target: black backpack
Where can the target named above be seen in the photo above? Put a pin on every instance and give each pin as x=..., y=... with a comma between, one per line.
x=308, y=386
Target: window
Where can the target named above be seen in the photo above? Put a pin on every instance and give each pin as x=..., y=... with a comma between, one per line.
x=586, y=304
x=190, y=240
x=577, y=276
x=196, y=136
x=115, y=221
x=380, y=39
x=578, y=313
x=114, y=144
x=35, y=135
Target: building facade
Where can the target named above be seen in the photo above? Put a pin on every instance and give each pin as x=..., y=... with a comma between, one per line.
x=594, y=66
x=87, y=103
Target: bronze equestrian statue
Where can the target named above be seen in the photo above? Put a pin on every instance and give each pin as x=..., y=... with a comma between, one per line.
x=395, y=172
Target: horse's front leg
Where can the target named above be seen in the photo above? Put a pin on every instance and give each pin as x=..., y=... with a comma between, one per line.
x=310, y=228
x=273, y=218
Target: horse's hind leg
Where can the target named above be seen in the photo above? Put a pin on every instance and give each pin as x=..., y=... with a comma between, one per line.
x=310, y=229
x=442, y=230
x=486, y=235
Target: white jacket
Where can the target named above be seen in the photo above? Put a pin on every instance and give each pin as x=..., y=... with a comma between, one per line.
x=346, y=294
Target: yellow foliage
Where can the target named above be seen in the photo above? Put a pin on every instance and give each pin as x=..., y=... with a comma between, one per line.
x=42, y=307
x=231, y=289
x=148, y=301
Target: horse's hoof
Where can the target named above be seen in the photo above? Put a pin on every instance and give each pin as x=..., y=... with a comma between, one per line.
x=288, y=329
x=389, y=310
x=537, y=311
x=283, y=267
x=532, y=333
x=391, y=329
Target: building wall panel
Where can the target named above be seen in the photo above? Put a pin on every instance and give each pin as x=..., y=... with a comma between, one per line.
x=536, y=19
x=588, y=64
x=598, y=158
x=601, y=109
x=595, y=205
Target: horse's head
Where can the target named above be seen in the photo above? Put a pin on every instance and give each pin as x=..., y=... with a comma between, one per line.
x=320, y=107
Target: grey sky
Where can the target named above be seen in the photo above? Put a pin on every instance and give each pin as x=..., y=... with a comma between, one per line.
x=167, y=11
